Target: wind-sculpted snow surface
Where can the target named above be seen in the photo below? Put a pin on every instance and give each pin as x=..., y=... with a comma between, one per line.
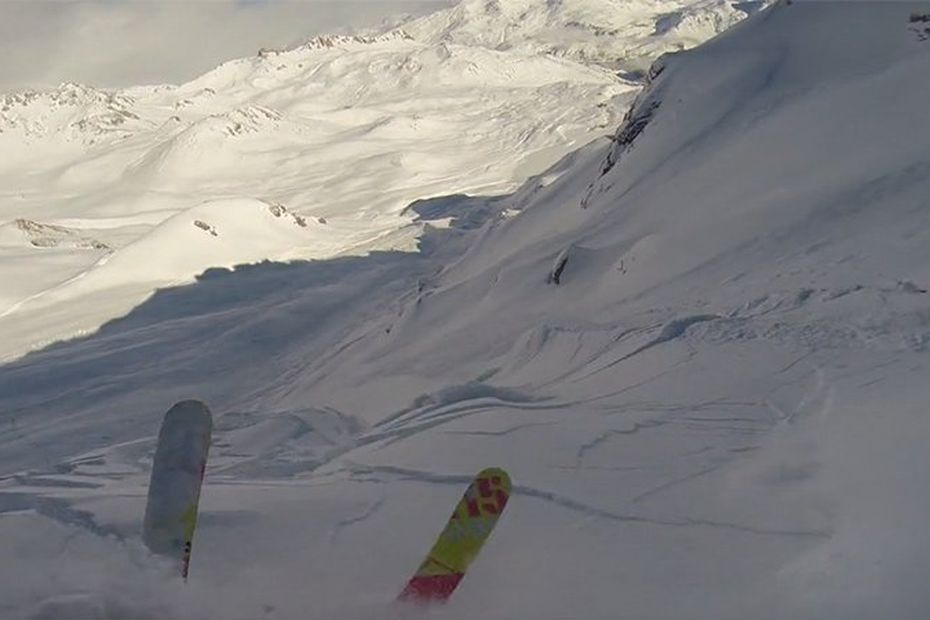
x=718, y=413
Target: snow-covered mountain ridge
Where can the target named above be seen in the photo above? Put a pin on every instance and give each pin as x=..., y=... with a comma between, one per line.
x=628, y=36
x=87, y=111
x=621, y=35
x=343, y=40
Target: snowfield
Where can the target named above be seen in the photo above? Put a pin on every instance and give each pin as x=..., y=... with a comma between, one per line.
x=698, y=342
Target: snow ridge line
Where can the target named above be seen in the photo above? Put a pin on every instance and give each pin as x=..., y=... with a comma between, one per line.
x=670, y=331
x=366, y=514
x=607, y=434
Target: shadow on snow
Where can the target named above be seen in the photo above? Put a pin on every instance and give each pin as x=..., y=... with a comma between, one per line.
x=225, y=338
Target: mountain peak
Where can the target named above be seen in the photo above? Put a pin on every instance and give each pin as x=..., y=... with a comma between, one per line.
x=330, y=41
x=73, y=108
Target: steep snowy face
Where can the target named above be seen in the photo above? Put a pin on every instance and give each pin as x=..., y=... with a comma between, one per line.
x=751, y=193
x=714, y=326
x=620, y=34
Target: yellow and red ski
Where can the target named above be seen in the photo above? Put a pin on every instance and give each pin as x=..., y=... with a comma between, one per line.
x=468, y=528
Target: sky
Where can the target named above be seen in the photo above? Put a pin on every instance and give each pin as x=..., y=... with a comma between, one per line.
x=114, y=43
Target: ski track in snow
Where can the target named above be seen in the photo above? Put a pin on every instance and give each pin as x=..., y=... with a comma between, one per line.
x=363, y=472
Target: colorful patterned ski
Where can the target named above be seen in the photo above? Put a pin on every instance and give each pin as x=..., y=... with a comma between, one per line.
x=177, y=474
x=468, y=528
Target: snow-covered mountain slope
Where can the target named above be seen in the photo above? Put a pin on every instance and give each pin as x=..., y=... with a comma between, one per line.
x=699, y=347
x=350, y=129
x=350, y=134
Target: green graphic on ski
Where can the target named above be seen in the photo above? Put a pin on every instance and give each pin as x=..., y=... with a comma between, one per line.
x=177, y=475
x=458, y=544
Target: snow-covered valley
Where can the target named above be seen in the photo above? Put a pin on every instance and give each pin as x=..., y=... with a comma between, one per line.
x=693, y=330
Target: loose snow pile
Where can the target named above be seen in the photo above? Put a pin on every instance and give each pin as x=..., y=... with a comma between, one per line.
x=699, y=348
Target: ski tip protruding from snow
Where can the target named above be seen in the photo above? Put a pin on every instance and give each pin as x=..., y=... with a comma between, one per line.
x=177, y=474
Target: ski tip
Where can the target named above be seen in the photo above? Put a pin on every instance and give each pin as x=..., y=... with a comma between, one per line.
x=189, y=407
x=497, y=474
